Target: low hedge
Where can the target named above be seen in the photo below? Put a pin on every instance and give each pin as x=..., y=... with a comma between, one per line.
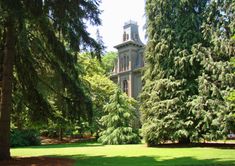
x=28, y=137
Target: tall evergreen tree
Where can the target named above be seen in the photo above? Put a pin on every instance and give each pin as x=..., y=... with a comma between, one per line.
x=33, y=33
x=187, y=74
x=119, y=120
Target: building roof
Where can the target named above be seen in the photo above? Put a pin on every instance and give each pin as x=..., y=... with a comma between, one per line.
x=130, y=35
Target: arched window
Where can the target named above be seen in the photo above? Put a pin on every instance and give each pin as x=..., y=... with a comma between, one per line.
x=127, y=36
x=137, y=60
x=124, y=36
x=124, y=63
x=136, y=37
x=121, y=64
x=127, y=62
x=125, y=86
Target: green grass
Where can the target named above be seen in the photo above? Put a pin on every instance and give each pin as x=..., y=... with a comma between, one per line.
x=128, y=155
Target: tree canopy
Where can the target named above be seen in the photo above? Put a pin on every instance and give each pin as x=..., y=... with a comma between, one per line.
x=108, y=61
x=101, y=87
x=188, y=75
x=41, y=38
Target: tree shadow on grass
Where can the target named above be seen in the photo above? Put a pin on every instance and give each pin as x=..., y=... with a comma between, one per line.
x=83, y=160
x=68, y=145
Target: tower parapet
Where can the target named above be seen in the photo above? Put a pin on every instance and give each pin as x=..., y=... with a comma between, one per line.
x=131, y=33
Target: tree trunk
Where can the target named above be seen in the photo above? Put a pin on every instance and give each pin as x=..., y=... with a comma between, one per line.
x=61, y=134
x=6, y=105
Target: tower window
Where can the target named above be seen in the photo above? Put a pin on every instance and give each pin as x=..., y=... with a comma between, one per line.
x=136, y=37
x=127, y=36
x=124, y=36
x=137, y=60
x=127, y=62
x=124, y=63
x=121, y=65
x=125, y=86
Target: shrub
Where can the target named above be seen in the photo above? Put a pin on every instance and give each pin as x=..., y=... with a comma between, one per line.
x=26, y=137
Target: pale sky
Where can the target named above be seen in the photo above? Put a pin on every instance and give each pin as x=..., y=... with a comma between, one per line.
x=115, y=14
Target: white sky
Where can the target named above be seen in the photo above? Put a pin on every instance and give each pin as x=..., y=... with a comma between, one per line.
x=115, y=14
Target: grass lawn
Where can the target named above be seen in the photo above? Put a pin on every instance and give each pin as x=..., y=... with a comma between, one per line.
x=94, y=154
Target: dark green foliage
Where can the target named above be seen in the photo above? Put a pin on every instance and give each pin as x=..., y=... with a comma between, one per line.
x=231, y=99
x=41, y=40
x=187, y=75
x=24, y=138
x=43, y=28
x=119, y=121
x=232, y=94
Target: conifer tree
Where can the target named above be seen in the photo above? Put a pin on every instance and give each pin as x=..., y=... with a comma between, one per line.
x=119, y=120
x=33, y=36
x=187, y=74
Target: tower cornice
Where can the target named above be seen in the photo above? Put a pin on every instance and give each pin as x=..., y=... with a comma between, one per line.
x=128, y=43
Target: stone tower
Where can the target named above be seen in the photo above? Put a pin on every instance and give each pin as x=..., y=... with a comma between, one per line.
x=127, y=71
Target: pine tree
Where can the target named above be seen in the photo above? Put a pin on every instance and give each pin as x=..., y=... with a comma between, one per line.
x=210, y=107
x=33, y=37
x=231, y=97
x=119, y=120
x=187, y=74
